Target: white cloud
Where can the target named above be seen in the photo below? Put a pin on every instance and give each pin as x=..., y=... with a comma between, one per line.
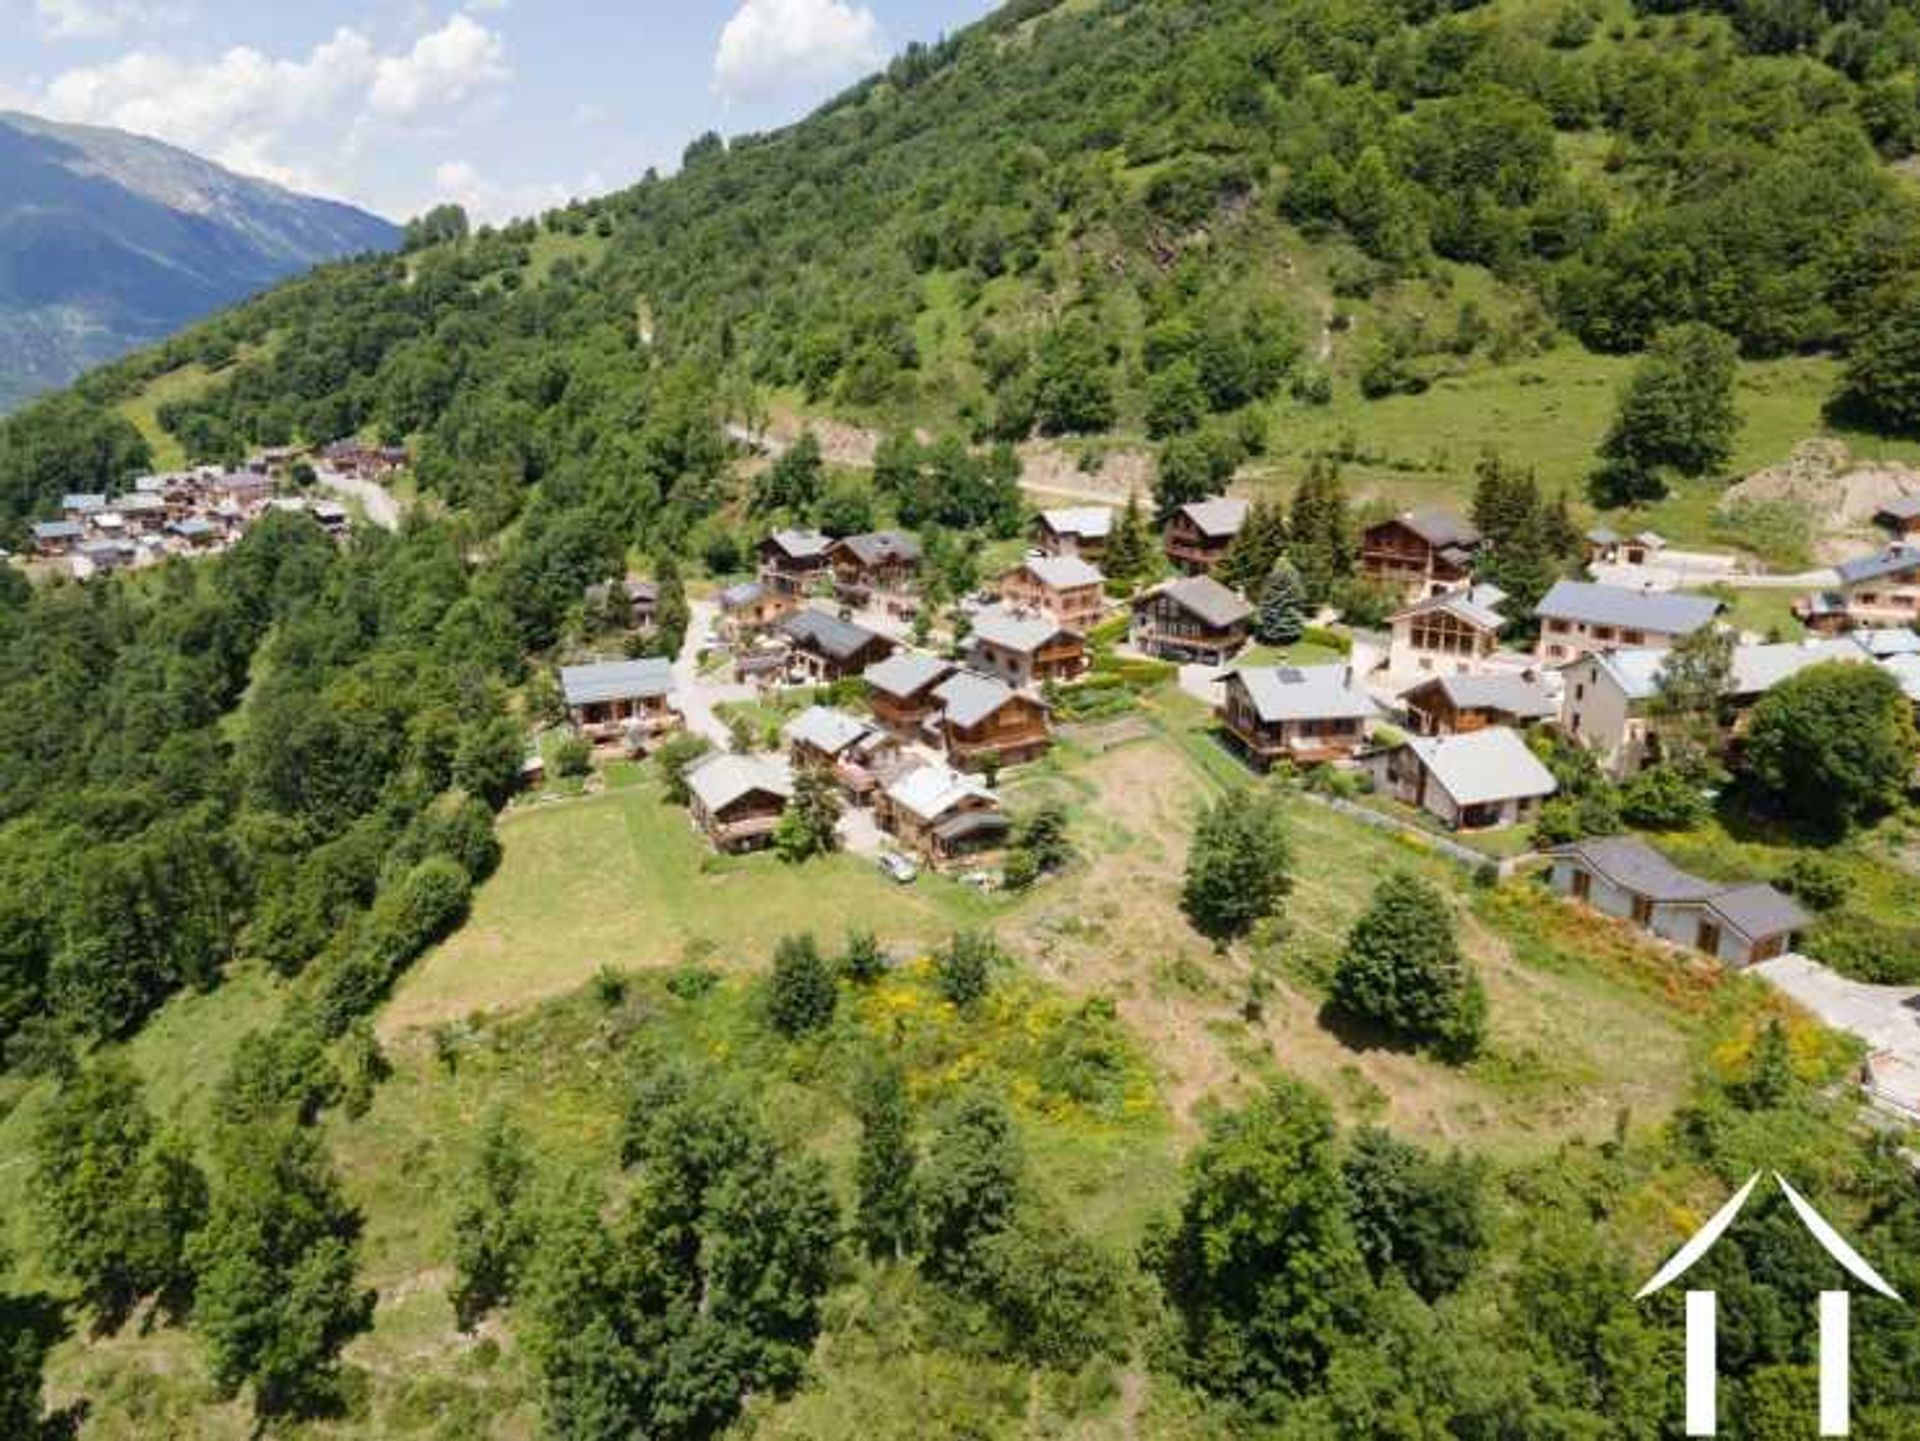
x=486, y=200
x=773, y=46
x=89, y=19
x=282, y=118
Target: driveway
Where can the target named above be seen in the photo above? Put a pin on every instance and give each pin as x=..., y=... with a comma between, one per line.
x=1887, y=1018
x=695, y=695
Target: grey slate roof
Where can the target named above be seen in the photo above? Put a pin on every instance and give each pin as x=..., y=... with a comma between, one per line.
x=737, y=597
x=1315, y=692
x=802, y=544
x=1887, y=641
x=1089, y=522
x=1905, y=507
x=84, y=501
x=1484, y=766
x=1511, y=694
x=1661, y=612
x=970, y=697
x=58, y=530
x=1441, y=529
x=906, y=673
x=827, y=634
x=1757, y=911
x=1025, y=634
x=616, y=680
x=1221, y=516
x=881, y=547
x=1757, y=669
x=826, y=729
x=1218, y=606
x=723, y=778
x=1893, y=559
x=1062, y=572
x=930, y=791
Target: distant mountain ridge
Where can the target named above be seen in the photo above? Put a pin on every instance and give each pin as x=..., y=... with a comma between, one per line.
x=109, y=241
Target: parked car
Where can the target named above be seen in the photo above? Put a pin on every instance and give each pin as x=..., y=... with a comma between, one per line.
x=898, y=868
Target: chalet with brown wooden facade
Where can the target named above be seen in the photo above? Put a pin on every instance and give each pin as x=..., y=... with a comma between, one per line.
x=823, y=648
x=1875, y=591
x=1081, y=530
x=737, y=800
x=1064, y=588
x=1419, y=553
x=900, y=691
x=1192, y=620
x=848, y=748
x=1025, y=649
x=1461, y=704
x=624, y=700
x=1201, y=532
x=1304, y=715
x=794, y=560
x=941, y=814
x=984, y=720
x=1901, y=516
x=885, y=562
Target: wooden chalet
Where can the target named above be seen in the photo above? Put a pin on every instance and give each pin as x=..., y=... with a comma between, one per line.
x=941, y=814
x=850, y=749
x=1201, y=532
x=1419, y=553
x=1064, y=588
x=1478, y=781
x=624, y=700
x=737, y=800
x=883, y=561
x=1024, y=649
x=1461, y=704
x=1454, y=632
x=57, y=537
x=751, y=607
x=1081, y=530
x=982, y=719
x=1193, y=620
x=1901, y=516
x=793, y=560
x=1876, y=591
x=1304, y=715
x=823, y=648
x=901, y=689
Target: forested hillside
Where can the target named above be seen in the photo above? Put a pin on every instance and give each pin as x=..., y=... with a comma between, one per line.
x=680, y=1145
x=1120, y=217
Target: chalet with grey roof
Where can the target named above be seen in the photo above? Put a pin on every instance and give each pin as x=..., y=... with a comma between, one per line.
x=982, y=720
x=1623, y=876
x=737, y=800
x=1194, y=619
x=751, y=607
x=1081, y=530
x=941, y=814
x=1461, y=704
x=1577, y=617
x=885, y=561
x=621, y=700
x=1450, y=633
x=1901, y=516
x=849, y=748
x=57, y=537
x=1064, y=588
x=1419, y=553
x=1301, y=714
x=793, y=560
x=823, y=648
x=1875, y=591
x=1478, y=781
x=1201, y=532
x=900, y=689
x=1024, y=648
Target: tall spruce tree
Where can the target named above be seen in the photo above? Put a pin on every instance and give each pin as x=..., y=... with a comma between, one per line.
x=1402, y=969
x=1282, y=616
x=1129, y=553
x=1321, y=540
x=1261, y=541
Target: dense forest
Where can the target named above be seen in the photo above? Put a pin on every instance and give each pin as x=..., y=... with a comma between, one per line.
x=1072, y=220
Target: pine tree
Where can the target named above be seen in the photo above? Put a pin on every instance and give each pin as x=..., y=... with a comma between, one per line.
x=1262, y=540
x=1282, y=617
x=672, y=615
x=807, y=828
x=1321, y=531
x=1129, y=553
x=888, y=1216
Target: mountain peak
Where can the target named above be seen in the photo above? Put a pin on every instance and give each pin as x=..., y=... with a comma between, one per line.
x=110, y=240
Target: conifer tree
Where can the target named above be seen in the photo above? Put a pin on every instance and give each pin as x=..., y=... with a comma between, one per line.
x=1129, y=553
x=1261, y=541
x=888, y=1216
x=1282, y=617
x=1402, y=969
x=1321, y=531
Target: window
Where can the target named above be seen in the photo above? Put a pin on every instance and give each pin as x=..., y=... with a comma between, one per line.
x=1632, y=637
x=1582, y=885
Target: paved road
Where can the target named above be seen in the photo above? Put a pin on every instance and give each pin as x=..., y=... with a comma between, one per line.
x=375, y=499
x=1887, y=1018
x=696, y=695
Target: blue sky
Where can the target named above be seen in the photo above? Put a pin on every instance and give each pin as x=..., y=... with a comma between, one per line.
x=507, y=106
